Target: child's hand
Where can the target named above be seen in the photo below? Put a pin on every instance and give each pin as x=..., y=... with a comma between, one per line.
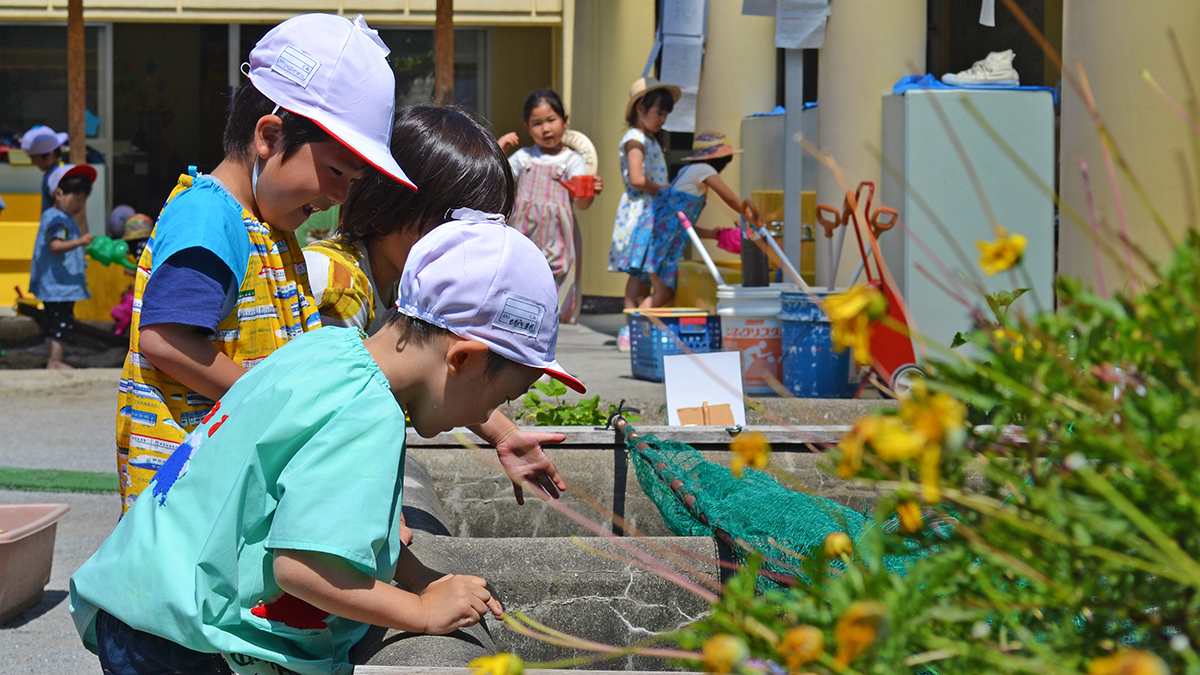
x=86, y=239
x=599, y=184
x=509, y=141
x=457, y=601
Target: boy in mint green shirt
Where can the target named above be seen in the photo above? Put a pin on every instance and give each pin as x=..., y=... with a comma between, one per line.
x=270, y=537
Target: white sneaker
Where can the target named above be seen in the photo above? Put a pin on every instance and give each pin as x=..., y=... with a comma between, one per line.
x=994, y=71
x=623, y=343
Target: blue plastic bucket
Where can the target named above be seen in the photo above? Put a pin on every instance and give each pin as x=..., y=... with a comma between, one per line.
x=811, y=368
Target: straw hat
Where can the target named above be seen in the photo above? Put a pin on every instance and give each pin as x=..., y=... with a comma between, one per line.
x=710, y=145
x=646, y=85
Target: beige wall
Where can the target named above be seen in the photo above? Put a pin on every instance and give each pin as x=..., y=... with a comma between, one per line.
x=868, y=46
x=612, y=39
x=1115, y=40
x=522, y=62
x=738, y=80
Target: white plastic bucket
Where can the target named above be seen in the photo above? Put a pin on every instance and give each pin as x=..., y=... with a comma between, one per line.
x=750, y=324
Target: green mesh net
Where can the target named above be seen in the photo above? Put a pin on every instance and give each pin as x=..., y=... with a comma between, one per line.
x=755, y=510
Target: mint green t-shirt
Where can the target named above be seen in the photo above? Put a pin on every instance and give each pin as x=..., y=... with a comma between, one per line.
x=306, y=452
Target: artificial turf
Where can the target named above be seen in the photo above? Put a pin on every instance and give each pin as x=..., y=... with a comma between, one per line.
x=56, y=480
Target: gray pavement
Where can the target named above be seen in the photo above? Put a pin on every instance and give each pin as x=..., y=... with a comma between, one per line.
x=66, y=420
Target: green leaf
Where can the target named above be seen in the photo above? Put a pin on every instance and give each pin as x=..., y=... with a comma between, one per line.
x=960, y=339
x=545, y=388
x=557, y=388
x=532, y=401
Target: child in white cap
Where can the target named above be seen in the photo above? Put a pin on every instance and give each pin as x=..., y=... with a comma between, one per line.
x=57, y=271
x=222, y=282
x=43, y=144
x=270, y=538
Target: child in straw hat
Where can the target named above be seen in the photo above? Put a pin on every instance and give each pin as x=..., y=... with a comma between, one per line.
x=657, y=245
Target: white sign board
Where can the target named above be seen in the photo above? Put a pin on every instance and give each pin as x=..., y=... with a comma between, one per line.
x=694, y=380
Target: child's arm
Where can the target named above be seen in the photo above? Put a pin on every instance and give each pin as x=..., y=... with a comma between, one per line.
x=61, y=246
x=509, y=141
x=190, y=357
x=334, y=585
x=723, y=191
x=636, y=154
x=520, y=453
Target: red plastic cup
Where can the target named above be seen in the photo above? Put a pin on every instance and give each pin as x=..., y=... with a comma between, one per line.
x=581, y=187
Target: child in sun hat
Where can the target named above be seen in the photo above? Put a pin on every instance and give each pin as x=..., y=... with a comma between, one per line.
x=222, y=282
x=658, y=241
x=244, y=555
x=644, y=172
x=544, y=211
x=43, y=144
x=57, y=273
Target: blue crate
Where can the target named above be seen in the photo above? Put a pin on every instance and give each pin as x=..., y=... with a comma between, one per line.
x=700, y=332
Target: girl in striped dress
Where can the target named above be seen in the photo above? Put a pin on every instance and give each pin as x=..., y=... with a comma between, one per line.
x=543, y=211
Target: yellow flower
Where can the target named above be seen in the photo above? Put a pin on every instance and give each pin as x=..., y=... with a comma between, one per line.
x=498, y=664
x=749, y=450
x=1018, y=342
x=856, y=630
x=931, y=464
x=838, y=544
x=850, y=315
x=1002, y=254
x=932, y=415
x=910, y=515
x=801, y=645
x=1128, y=662
x=895, y=442
x=852, y=445
x=724, y=652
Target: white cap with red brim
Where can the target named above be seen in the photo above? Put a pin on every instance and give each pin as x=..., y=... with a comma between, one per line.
x=334, y=72
x=482, y=280
x=58, y=173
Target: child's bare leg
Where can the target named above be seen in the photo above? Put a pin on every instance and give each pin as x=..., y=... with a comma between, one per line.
x=633, y=291
x=55, y=350
x=660, y=294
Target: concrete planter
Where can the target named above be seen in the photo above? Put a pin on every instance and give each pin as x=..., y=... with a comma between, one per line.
x=26, y=551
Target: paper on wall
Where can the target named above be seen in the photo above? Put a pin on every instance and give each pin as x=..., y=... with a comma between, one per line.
x=758, y=7
x=800, y=24
x=684, y=17
x=681, y=59
x=987, y=13
x=683, y=117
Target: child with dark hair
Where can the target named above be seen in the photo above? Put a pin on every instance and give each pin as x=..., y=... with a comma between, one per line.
x=644, y=170
x=221, y=283
x=543, y=211
x=57, y=273
x=657, y=244
x=354, y=275
x=271, y=538
x=44, y=147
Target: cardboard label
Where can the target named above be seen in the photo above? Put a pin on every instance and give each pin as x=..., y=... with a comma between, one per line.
x=519, y=315
x=296, y=65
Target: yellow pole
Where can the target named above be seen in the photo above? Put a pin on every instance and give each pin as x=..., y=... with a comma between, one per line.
x=1114, y=41
x=869, y=45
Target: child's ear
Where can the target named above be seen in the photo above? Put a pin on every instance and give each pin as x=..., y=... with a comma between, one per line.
x=58, y=194
x=267, y=135
x=462, y=353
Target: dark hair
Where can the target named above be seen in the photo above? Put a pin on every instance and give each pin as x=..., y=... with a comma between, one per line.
x=547, y=96
x=454, y=161
x=719, y=163
x=660, y=98
x=247, y=106
x=75, y=185
x=419, y=332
